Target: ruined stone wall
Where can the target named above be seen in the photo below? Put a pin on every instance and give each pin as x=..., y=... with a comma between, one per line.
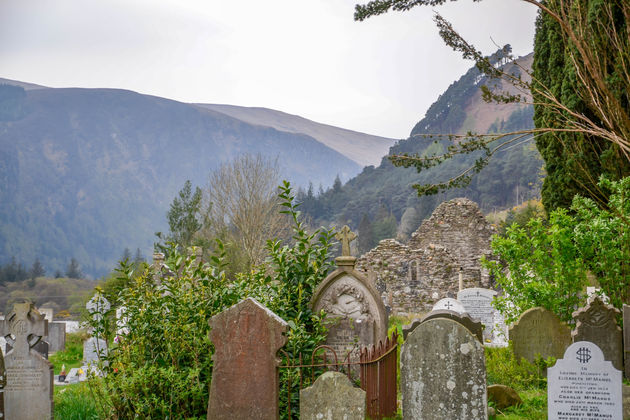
x=412, y=277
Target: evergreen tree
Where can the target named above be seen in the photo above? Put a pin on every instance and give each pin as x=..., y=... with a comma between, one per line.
x=366, y=235
x=184, y=215
x=37, y=270
x=126, y=256
x=575, y=161
x=73, y=270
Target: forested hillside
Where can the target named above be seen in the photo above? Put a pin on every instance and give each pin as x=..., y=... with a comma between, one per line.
x=380, y=197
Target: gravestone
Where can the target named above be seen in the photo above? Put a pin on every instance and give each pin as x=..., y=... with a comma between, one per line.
x=41, y=347
x=332, y=397
x=443, y=373
x=597, y=323
x=97, y=306
x=56, y=336
x=626, y=340
x=121, y=321
x=539, y=332
x=474, y=326
x=48, y=314
x=478, y=304
x=355, y=314
x=29, y=391
x=584, y=385
x=449, y=304
x=94, y=349
x=244, y=384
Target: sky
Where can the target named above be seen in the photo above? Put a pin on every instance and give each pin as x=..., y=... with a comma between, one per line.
x=308, y=58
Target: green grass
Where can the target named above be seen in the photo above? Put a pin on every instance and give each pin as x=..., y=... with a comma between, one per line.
x=75, y=402
x=72, y=356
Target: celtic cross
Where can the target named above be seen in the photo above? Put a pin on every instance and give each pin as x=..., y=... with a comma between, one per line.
x=345, y=236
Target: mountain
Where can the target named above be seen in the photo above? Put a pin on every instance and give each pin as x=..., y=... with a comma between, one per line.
x=85, y=173
x=362, y=148
x=382, y=194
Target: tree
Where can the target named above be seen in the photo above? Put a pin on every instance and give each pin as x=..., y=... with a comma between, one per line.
x=73, y=270
x=366, y=234
x=582, y=102
x=184, y=216
x=242, y=209
x=126, y=256
x=37, y=270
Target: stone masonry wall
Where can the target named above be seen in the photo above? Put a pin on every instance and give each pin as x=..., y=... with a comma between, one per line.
x=412, y=277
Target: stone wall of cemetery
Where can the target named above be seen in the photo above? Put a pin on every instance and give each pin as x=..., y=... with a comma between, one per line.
x=412, y=277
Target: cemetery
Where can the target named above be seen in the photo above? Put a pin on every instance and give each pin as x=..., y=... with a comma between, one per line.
x=318, y=340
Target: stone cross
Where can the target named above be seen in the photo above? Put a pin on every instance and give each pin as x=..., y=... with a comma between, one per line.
x=244, y=385
x=28, y=394
x=345, y=236
x=97, y=306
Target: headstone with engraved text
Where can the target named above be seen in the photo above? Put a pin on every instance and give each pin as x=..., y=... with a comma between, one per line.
x=584, y=385
x=478, y=304
x=539, y=332
x=29, y=390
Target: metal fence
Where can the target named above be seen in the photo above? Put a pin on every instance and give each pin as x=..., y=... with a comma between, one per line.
x=375, y=369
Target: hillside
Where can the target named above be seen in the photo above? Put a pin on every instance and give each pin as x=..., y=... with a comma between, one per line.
x=362, y=148
x=381, y=195
x=85, y=173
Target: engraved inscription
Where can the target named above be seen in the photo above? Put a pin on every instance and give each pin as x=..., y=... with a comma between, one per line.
x=24, y=380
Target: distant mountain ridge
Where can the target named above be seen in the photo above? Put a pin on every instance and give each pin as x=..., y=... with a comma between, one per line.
x=85, y=173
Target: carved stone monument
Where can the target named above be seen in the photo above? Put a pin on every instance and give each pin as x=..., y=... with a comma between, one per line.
x=597, y=323
x=97, y=306
x=539, y=332
x=584, y=385
x=332, y=397
x=355, y=313
x=478, y=304
x=244, y=385
x=449, y=304
x=443, y=373
x=29, y=382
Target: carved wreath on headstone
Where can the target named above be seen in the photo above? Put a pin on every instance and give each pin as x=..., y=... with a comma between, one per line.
x=347, y=301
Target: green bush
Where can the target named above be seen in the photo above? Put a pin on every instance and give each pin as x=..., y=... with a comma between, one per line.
x=503, y=368
x=75, y=402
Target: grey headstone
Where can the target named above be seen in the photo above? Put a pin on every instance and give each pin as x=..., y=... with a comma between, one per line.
x=474, y=326
x=597, y=323
x=626, y=340
x=539, y=332
x=584, y=385
x=56, y=336
x=443, y=373
x=478, y=304
x=355, y=313
x=29, y=391
x=94, y=349
x=332, y=397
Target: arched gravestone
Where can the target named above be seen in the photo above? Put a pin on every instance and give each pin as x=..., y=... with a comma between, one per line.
x=597, y=323
x=539, y=332
x=355, y=313
x=475, y=327
x=443, y=373
x=29, y=390
x=244, y=384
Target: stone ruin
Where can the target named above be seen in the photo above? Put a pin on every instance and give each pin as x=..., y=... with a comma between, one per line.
x=412, y=277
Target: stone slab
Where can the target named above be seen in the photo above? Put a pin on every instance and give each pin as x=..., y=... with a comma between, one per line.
x=597, y=323
x=474, y=326
x=478, y=304
x=443, y=373
x=246, y=338
x=584, y=385
x=332, y=397
x=56, y=336
x=94, y=349
x=539, y=331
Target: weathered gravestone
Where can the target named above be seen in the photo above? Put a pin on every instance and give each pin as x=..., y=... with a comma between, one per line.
x=94, y=349
x=597, y=323
x=355, y=313
x=478, y=304
x=584, y=385
x=474, y=326
x=29, y=391
x=626, y=340
x=449, y=304
x=56, y=336
x=443, y=373
x=97, y=306
x=244, y=384
x=539, y=332
x=41, y=347
x=332, y=397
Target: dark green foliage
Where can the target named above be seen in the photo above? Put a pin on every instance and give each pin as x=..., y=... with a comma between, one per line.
x=183, y=216
x=574, y=161
x=365, y=235
x=73, y=270
x=37, y=270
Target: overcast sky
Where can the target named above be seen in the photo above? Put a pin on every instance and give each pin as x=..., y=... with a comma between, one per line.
x=302, y=57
